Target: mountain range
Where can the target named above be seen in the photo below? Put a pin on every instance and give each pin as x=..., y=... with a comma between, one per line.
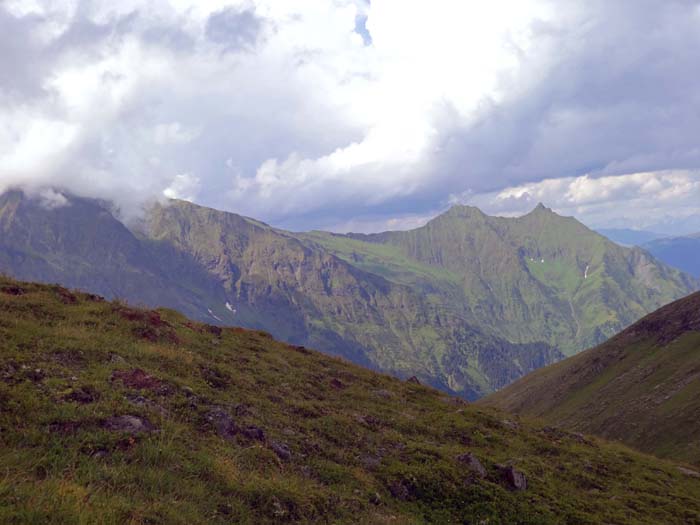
x=680, y=252
x=629, y=237
x=641, y=387
x=468, y=303
x=112, y=414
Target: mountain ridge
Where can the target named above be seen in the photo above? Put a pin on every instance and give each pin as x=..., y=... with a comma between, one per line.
x=468, y=306
x=681, y=252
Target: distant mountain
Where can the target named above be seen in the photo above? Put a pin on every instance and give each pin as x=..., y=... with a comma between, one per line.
x=641, y=387
x=628, y=237
x=112, y=414
x=468, y=303
x=681, y=252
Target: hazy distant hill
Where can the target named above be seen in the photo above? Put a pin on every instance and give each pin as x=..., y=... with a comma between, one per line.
x=467, y=303
x=628, y=237
x=641, y=387
x=680, y=252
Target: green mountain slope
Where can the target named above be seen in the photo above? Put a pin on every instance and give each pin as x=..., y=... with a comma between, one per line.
x=465, y=303
x=110, y=414
x=680, y=252
x=540, y=277
x=641, y=387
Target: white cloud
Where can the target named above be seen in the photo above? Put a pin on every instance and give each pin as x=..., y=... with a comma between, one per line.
x=650, y=200
x=282, y=111
x=183, y=186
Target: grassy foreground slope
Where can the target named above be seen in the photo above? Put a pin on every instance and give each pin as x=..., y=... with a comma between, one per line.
x=110, y=414
x=641, y=387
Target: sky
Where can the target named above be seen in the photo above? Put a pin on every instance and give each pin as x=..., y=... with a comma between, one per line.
x=357, y=115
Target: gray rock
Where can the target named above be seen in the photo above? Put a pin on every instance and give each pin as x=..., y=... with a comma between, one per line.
x=282, y=450
x=222, y=421
x=514, y=479
x=134, y=424
x=472, y=463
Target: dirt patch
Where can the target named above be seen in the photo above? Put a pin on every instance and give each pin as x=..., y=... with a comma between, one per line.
x=138, y=379
x=151, y=326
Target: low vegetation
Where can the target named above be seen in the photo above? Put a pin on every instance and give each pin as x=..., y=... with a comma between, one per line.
x=641, y=387
x=112, y=414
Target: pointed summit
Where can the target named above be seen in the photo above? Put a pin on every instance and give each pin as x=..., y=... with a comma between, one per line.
x=541, y=208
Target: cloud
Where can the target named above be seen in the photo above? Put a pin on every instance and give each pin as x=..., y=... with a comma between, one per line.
x=347, y=112
x=661, y=201
x=235, y=29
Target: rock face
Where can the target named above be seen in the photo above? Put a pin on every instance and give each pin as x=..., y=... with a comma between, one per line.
x=468, y=303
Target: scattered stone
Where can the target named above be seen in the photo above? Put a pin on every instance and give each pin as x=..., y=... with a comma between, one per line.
x=413, y=379
x=223, y=423
x=115, y=358
x=282, y=450
x=401, y=489
x=369, y=421
x=375, y=499
x=216, y=330
x=65, y=296
x=83, y=395
x=383, y=393
x=36, y=375
x=512, y=425
x=473, y=464
x=13, y=290
x=455, y=401
x=100, y=453
x=514, y=479
x=128, y=423
x=142, y=401
x=300, y=349
x=278, y=509
x=338, y=384
x=253, y=432
x=689, y=472
x=215, y=378
x=371, y=462
x=225, y=509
